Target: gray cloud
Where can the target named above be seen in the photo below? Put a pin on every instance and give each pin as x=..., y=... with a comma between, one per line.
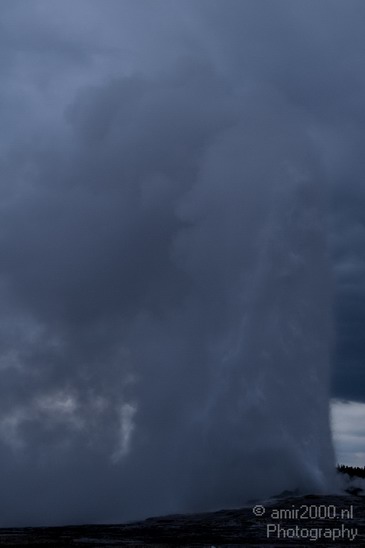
x=348, y=430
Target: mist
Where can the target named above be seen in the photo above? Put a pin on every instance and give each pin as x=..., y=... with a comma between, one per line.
x=167, y=319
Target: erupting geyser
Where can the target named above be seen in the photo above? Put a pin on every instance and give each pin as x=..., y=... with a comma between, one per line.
x=237, y=399
x=170, y=322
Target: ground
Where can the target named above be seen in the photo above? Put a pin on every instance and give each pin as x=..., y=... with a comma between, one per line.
x=287, y=521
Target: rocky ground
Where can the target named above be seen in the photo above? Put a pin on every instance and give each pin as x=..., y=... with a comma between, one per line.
x=290, y=521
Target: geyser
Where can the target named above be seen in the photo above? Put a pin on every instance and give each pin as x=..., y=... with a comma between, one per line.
x=166, y=305
x=238, y=407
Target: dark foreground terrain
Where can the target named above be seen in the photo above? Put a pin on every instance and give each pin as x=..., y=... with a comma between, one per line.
x=292, y=521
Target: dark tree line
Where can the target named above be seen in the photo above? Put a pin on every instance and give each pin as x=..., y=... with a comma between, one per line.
x=352, y=471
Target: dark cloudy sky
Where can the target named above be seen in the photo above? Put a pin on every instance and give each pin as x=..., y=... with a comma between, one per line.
x=127, y=129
